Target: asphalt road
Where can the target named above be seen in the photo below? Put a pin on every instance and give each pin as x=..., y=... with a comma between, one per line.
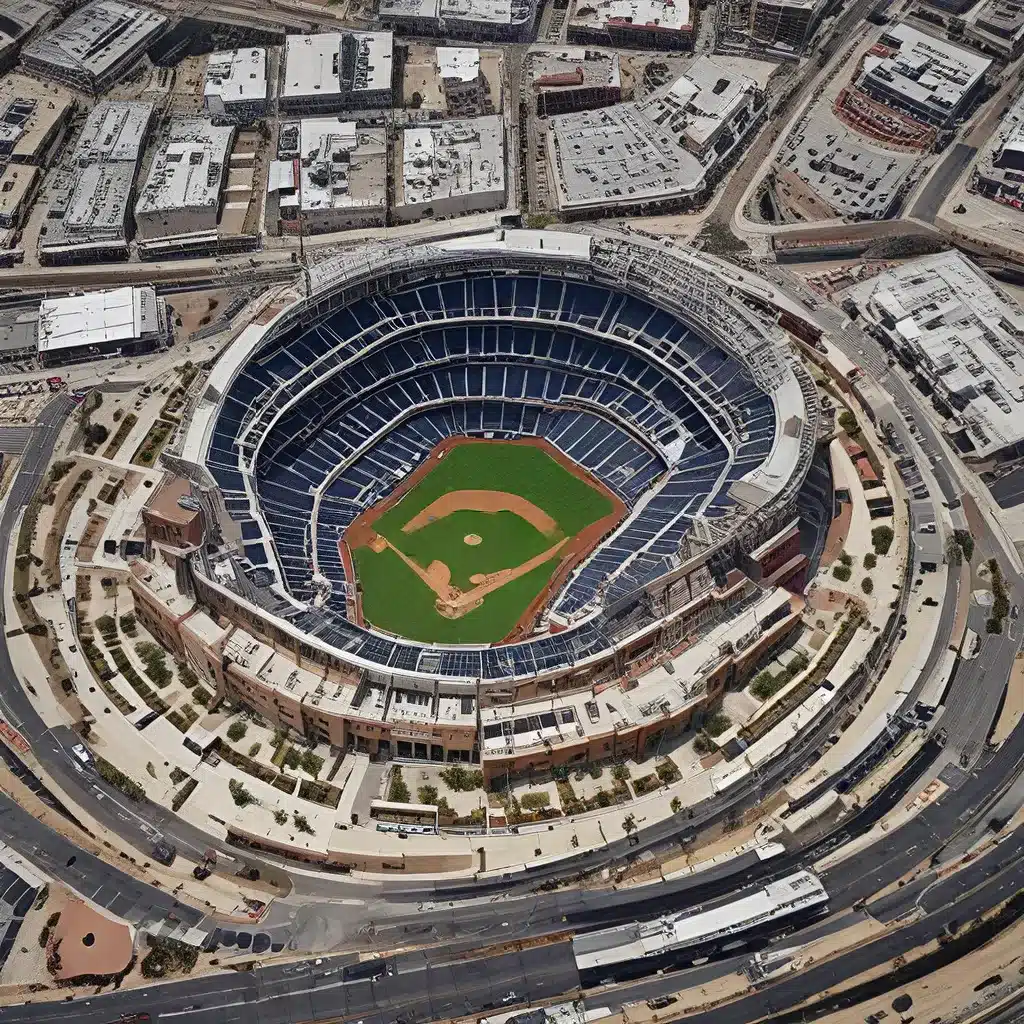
x=941, y=183
x=273, y=994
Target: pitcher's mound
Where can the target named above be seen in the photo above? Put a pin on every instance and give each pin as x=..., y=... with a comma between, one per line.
x=472, y=539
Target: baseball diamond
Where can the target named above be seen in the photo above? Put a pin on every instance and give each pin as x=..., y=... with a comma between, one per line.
x=467, y=549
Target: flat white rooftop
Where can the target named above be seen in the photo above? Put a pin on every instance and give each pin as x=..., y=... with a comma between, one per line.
x=968, y=334
x=236, y=76
x=312, y=65
x=654, y=14
x=374, y=60
x=17, y=17
x=93, y=318
x=453, y=158
x=341, y=166
x=931, y=72
x=459, y=62
x=187, y=169
x=114, y=132
x=96, y=36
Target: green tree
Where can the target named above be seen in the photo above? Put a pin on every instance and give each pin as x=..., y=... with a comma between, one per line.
x=881, y=539
x=848, y=422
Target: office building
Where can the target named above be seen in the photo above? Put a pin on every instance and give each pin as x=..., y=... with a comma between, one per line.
x=644, y=24
x=576, y=78
x=337, y=71
x=929, y=80
x=119, y=322
x=948, y=321
x=500, y=21
x=95, y=46
x=329, y=176
x=182, y=193
x=236, y=88
x=452, y=167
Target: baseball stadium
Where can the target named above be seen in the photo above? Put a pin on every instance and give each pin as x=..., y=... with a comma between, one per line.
x=516, y=455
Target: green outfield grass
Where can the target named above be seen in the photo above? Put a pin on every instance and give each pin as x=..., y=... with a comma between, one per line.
x=397, y=600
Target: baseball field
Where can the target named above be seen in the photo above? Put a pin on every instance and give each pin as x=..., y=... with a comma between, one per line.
x=468, y=548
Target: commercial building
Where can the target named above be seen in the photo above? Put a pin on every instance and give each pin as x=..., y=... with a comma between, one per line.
x=656, y=153
x=930, y=80
x=451, y=168
x=120, y=322
x=172, y=517
x=95, y=46
x=574, y=79
x=995, y=26
x=654, y=24
x=999, y=173
x=823, y=170
x=786, y=25
x=182, y=193
x=337, y=71
x=90, y=209
x=33, y=118
x=504, y=21
x=18, y=20
x=948, y=322
x=329, y=176
x=465, y=91
x=236, y=88
x=114, y=133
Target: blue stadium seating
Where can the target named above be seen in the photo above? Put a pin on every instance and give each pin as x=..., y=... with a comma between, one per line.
x=343, y=410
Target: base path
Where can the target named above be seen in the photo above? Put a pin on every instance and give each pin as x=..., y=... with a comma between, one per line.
x=482, y=501
x=454, y=603
x=572, y=550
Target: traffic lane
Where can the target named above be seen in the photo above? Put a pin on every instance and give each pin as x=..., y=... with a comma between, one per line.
x=121, y=894
x=1009, y=490
x=818, y=978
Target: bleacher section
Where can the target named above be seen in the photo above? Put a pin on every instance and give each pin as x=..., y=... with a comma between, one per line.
x=622, y=387
x=516, y=335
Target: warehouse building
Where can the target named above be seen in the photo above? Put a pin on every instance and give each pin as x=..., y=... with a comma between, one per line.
x=501, y=21
x=574, y=79
x=182, y=194
x=119, y=322
x=451, y=168
x=655, y=154
x=95, y=46
x=929, y=80
x=18, y=20
x=34, y=117
x=236, y=87
x=335, y=72
x=644, y=24
x=329, y=176
x=946, y=320
x=89, y=216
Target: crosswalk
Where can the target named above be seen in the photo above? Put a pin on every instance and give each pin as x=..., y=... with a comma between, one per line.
x=14, y=439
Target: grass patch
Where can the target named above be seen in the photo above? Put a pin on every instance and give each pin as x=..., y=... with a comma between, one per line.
x=397, y=600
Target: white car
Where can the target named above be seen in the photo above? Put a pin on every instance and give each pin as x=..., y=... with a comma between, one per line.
x=82, y=754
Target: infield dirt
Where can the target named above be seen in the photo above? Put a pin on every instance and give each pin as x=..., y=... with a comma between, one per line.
x=537, y=554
